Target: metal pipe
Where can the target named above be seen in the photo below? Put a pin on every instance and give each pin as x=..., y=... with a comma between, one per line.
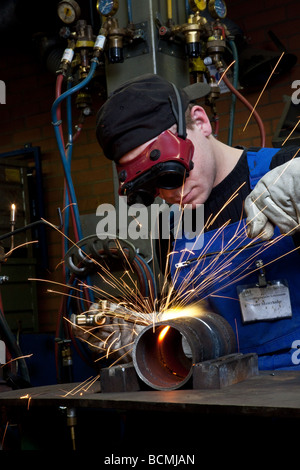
x=167, y=363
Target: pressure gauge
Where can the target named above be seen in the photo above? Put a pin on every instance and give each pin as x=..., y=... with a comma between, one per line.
x=217, y=8
x=197, y=5
x=107, y=7
x=68, y=11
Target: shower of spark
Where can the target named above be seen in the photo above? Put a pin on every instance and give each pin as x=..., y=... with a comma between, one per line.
x=171, y=303
x=135, y=311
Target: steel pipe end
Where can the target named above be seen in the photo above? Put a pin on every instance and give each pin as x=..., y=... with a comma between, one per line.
x=164, y=354
x=164, y=364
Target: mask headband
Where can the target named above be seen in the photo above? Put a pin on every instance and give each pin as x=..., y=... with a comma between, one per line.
x=179, y=116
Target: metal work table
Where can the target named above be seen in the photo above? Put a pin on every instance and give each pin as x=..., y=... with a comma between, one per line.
x=270, y=397
x=268, y=394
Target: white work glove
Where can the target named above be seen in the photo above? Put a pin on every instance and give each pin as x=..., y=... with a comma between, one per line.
x=113, y=340
x=275, y=201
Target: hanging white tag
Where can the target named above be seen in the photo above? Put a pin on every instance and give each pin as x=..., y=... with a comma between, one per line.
x=271, y=302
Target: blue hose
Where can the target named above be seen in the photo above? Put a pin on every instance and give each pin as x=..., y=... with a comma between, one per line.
x=61, y=149
x=129, y=8
x=70, y=196
x=146, y=268
x=74, y=88
x=233, y=98
x=187, y=8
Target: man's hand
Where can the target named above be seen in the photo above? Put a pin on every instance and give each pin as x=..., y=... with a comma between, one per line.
x=114, y=337
x=275, y=201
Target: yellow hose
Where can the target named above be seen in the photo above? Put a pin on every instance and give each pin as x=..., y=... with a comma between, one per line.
x=169, y=6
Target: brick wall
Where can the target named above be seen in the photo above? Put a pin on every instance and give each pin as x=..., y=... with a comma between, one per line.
x=256, y=19
x=26, y=118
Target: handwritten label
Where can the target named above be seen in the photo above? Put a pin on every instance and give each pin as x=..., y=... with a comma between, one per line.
x=265, y=303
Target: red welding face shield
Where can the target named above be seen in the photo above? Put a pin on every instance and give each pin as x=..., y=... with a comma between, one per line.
x=163, y=164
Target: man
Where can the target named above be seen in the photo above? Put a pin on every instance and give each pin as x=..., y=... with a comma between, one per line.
x=240, y=278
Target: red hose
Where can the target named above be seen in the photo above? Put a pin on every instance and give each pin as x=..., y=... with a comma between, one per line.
x=59, y=81
x=250, y=107
x=78, y=132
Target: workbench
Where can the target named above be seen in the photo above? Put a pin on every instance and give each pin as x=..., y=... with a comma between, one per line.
x=271, y=400
x=268, y=394
x=148, y=419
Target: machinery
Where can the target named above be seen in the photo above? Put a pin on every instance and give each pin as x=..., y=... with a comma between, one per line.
x=192, y=348
x=126, y=43
x=186, y=42
x=114, y=285
x=192, y=45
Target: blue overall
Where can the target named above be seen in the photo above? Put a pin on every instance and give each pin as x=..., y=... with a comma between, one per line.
x=204, y=273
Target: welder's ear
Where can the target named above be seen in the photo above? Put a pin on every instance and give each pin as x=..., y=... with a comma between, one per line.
x=201, y=120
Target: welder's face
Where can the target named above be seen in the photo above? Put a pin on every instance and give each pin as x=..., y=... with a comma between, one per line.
x=163, y=163
x=198, y=185
x=196, y=188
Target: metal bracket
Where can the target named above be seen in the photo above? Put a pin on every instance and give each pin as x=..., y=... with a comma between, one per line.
x=120, y=378
x=139, y=45
x=212, y=374
x=224, y=371
x=262, y=281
